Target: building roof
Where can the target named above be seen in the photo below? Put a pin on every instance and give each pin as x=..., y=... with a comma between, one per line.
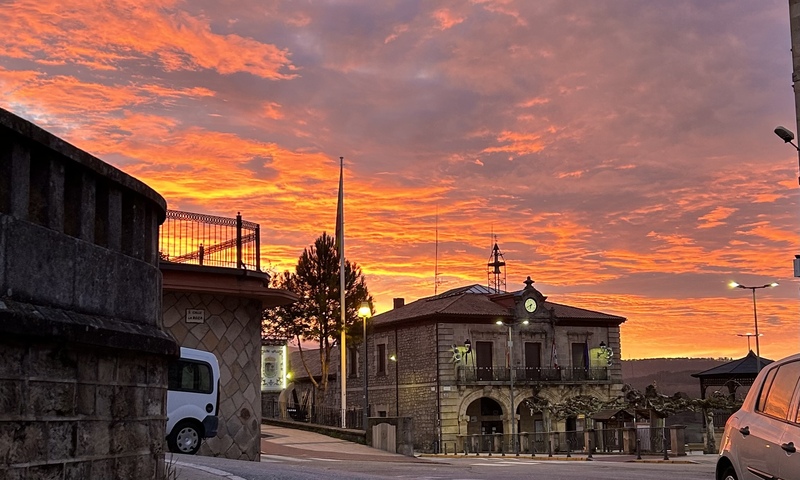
x=477, y=301
x=311, y=356
x=746, y=365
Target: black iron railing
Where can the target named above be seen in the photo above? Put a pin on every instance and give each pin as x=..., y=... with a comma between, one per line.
x=524, y=375
x=628, y=440
x=328, y=416
x=187, y=237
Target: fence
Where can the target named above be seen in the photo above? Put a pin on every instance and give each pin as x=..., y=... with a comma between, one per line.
x=187, y=237
x=648, y=440
x=328, y=416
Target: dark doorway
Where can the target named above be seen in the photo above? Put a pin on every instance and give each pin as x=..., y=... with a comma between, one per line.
x=483, y=360
x=533, y=360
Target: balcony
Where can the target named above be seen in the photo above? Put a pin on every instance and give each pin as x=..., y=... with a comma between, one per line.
x=468, y=375
x=199, y=239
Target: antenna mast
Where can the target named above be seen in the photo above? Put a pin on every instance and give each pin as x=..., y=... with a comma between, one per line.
x=496, y=271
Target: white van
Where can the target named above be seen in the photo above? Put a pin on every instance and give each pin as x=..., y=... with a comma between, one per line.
x=192, y=400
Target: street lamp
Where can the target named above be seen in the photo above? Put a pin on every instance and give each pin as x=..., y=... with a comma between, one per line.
x=755, y=316
x=787, y=136
x=365, y=312
x=748, y=335
x=513, y=410
x=393, y=357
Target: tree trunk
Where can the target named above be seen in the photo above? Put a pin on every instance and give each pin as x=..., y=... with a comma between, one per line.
x=711, y=443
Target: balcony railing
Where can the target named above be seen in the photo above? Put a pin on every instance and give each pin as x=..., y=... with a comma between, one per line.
x=187, y=237
x=468, y=375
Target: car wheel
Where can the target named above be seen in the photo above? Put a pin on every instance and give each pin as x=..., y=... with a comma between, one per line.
x=184, y=438
x=729, y=474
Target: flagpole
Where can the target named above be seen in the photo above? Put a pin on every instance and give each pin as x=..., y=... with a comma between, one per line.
x=340, y=241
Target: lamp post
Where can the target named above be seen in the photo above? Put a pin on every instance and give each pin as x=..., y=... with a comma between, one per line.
x=748, y=335
x=365, y=312
x=513, y=410
x=393, y=358
x=755, y=316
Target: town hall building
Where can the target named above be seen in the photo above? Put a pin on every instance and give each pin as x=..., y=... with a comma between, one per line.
x=448, y=361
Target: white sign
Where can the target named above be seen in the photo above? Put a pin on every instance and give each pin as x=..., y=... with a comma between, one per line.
x=195, y=316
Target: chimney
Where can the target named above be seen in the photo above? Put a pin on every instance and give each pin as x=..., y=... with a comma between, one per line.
x=399, y=302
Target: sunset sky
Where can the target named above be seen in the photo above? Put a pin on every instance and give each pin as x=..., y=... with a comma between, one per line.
x=622, y=152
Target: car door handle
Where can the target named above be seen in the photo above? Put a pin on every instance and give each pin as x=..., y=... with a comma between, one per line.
x=789, y=447
x=745, y=431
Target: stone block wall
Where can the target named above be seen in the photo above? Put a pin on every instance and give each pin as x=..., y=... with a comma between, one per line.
x=77, y=413
x=232, y=331
x=415, y=373
x=82, y=353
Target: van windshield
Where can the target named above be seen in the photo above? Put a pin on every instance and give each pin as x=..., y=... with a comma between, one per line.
x=190, y=376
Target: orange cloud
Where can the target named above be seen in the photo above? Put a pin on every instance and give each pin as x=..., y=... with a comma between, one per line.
x=104, y=35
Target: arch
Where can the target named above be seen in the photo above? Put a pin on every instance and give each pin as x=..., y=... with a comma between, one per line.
x=470, y=424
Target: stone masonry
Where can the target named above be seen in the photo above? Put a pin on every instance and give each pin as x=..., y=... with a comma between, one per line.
x=232, y=331
x=83, y=355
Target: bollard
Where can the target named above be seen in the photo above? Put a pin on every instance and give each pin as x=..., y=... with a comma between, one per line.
x=638, y=449
x=465, y=448
x=569, y=448
x=666, y=457
x=445, y=449
x=590, y=448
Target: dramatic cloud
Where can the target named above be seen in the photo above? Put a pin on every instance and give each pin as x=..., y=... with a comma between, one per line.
x=620, y=151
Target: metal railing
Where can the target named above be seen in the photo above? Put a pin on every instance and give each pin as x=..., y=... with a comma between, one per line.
x=199, y=239
x=629, y=440
x=328, y=416
x=524, y=375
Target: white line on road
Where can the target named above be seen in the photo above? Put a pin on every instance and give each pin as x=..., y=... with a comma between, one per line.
x=210, y=470
x=278, y=458
x=326, y=460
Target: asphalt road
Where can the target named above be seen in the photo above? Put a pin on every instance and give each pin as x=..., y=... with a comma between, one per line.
x=295, y=455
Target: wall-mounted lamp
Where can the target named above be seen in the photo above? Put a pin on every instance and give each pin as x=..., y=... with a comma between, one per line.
x=393, y=357
x=468, y=345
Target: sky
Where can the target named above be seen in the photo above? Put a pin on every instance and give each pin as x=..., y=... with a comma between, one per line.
x=621, y=152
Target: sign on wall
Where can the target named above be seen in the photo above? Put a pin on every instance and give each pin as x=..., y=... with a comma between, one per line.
x=195, y=316
x=273, y=368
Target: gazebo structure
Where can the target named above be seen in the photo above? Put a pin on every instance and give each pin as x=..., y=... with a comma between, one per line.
x=732, y=375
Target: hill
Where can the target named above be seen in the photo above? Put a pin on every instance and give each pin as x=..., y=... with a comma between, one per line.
x=670, y=375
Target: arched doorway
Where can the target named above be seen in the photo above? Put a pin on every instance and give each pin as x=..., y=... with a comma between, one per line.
x=485, y=417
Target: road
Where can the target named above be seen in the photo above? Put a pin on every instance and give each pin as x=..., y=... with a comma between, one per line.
x=272, y=467
x=296, y=455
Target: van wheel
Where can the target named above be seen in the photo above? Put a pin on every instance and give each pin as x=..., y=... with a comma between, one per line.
x=184, y=438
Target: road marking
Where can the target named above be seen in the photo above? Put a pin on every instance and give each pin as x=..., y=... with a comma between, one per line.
x=278, y=458
x=210, y=470
x=502, y=464
x=326, y=459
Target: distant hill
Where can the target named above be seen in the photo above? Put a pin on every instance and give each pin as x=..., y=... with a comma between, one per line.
x=671, y=375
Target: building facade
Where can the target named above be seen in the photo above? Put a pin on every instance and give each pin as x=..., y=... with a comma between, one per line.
x=448, y=362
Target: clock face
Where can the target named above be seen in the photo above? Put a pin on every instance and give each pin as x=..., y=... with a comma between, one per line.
x=530, y=305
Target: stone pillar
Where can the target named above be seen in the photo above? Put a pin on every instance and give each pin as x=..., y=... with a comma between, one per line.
x=629, y=440
x=232, y=301
x=678, y=439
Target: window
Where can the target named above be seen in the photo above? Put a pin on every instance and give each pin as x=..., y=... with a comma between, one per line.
x=776, y=394
x=381, y=359
x=190, y=376
x=352, y=362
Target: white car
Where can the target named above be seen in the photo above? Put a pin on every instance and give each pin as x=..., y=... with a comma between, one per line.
x=761, y=439
x=192, y=400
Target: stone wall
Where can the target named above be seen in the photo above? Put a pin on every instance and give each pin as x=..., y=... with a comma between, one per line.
x=82, y=352
x=232, y=331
